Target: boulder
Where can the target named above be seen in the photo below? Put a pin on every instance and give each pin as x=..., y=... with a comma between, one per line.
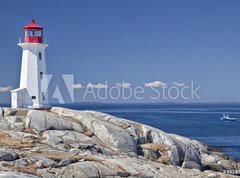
x=182, y=149
x=42, y=162
x=7, y=155
x=153, y=135
x=218, y=162
x=44, y=173
x=21, y=162
x=16, y=123
x=86, y=169
x=11, y=174
x=192, y=165
x=65, y=162
x=192, y=160
x=65, y=140
x=42, y=121
x=4, y=125
x=21, y=135
x=113, y=137
x=39, y=164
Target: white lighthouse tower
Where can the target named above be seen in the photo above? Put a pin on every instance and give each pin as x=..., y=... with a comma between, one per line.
x=32, y=92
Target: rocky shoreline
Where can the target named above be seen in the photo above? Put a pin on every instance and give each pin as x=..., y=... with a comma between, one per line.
x=60, y=142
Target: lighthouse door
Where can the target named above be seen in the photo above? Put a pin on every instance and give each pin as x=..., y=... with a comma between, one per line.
x=20, y=97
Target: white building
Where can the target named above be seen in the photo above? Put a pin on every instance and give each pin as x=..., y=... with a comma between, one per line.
x=32, y=92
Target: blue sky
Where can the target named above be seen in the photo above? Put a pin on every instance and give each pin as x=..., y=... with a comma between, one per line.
x=137, y=41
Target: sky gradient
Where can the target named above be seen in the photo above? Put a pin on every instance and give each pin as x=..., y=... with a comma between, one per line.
x=135, y=41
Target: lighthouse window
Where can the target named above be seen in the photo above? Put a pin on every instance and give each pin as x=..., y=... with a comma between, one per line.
x=30, y=33
x=33, y=97
x=43, y=96
x=39, y=55
x=38, y=33
x=41, y=75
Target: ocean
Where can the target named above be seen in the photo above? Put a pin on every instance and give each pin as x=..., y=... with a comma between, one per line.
x=197, y=121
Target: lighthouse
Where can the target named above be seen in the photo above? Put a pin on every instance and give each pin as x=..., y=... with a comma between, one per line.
x=32, y=92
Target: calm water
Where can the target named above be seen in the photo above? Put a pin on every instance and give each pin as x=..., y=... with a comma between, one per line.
x=197, y=121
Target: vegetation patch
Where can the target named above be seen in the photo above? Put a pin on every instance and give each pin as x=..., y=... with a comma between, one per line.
x=10, y=142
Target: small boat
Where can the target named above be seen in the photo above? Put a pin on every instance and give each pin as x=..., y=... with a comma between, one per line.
x=226, y=117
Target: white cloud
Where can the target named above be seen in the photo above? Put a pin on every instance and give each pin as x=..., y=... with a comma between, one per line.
x=5, y=89
x=77, y=86
x=155, y=84
x=123, y=85
x=100, y=85
x=178, y=84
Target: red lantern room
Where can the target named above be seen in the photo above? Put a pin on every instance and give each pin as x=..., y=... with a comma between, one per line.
x=33, y=33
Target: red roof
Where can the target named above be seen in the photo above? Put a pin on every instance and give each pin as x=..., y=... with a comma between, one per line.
x=33, y=25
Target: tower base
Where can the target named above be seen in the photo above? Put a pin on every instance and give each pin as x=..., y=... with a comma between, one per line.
x=21, y=99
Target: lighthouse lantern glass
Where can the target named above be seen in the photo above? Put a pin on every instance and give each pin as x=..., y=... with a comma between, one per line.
x=37, y=33
x=33, y=36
